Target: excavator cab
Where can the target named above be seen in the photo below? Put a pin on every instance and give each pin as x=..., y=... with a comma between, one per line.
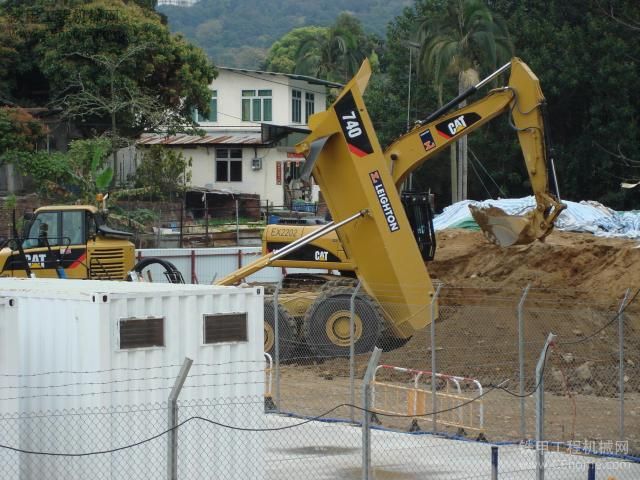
x=419, y=209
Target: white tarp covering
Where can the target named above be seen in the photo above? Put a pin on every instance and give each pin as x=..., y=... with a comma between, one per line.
x=586, y=216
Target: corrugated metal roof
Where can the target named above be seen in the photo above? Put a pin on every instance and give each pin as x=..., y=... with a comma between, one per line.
x=209, y=139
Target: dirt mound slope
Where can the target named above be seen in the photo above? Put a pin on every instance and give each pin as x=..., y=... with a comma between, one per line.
x=577, y=262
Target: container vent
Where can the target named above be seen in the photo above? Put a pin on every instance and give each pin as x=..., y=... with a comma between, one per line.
x=141, y=332
x=225, y=327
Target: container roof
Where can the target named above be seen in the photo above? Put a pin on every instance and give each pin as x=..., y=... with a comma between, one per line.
x=47, y=287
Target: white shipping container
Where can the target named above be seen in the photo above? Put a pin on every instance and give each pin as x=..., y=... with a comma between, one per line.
x=96, y=345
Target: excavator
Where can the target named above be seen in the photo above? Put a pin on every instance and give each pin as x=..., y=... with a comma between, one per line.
x=371, y=235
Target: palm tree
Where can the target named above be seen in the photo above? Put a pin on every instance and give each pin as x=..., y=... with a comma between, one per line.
x=336, y=53
x=465, y=40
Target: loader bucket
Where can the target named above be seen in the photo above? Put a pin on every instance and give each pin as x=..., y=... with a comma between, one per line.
x=504, y=229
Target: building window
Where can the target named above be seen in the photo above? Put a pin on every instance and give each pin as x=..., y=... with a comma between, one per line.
x=225, y=327
x=309, y=101
x=256, y=106
x=228, y=164
x=141, y=332
x=213, y=110
x=296, y=106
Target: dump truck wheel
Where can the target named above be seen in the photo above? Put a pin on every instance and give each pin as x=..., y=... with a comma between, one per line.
x=285, y=330
x=327, y=323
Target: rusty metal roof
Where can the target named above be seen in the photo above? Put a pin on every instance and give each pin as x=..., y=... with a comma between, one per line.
x=209, y=139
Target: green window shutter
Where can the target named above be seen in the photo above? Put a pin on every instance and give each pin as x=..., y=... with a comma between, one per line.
x=246, y=109
x=257, y=114
x=267, y=110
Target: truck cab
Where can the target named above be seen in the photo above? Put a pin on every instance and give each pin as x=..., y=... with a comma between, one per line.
x=68, y=242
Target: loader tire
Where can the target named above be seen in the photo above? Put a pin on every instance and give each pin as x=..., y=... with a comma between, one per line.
x=326, y=324
x=286, y=332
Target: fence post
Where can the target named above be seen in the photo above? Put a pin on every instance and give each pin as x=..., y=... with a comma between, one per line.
x=434, y=399
x=193, y=266
x=276, y=334
x=172, y=420
x=237, y=225
x=621, y=318
x=352, y=351
x=494, y=463
x=366, y=403
x=206, y=220
x=540, y=407
x=523, y=427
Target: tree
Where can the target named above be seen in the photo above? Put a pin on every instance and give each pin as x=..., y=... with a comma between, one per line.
x=163, y=171
x=335, y=54
x=78, y=47
x=19, y=131
x=283, y=54
x=467, y=39
x=588, y=68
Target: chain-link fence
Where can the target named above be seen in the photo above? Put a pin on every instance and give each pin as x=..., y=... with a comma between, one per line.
x=457, y=399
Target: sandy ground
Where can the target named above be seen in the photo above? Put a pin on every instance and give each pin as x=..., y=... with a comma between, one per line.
x=577, y=284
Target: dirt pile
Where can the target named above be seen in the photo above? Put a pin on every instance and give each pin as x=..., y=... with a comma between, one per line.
x=577, y=262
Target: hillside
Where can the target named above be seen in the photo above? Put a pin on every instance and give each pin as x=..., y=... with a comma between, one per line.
x=239, y=33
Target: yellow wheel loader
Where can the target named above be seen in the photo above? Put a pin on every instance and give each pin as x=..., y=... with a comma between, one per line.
x=371, y=236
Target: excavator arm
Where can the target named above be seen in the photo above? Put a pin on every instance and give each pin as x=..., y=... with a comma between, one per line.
x=523, y=100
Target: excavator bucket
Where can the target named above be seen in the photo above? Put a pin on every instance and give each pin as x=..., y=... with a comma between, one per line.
x=503, y=229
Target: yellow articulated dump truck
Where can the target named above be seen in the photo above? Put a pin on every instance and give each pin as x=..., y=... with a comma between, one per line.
x=371, y=236
x=74, y=241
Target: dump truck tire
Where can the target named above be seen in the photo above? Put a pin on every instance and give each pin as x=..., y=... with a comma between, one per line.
x=285, y=331
x=326, y=324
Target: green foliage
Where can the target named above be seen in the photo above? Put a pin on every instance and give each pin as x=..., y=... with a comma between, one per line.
x=163, y=171
x=225, y=29
x=586, y=61
x=336, y=53
x=464, y=36
x=18, y=131
x=65, y=49
x=49, y=171
x=283, y=54
x=88, y=159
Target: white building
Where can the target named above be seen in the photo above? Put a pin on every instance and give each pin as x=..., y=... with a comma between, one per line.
x=238, y=153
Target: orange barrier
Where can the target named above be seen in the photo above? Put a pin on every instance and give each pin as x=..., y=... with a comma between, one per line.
x=414, y=398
